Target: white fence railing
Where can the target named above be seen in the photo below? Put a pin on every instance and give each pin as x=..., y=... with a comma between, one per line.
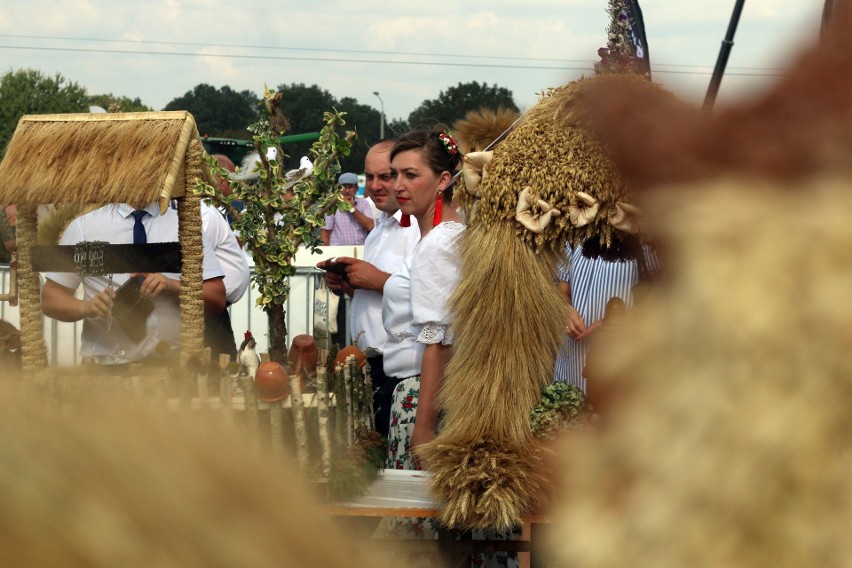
x=63, y=339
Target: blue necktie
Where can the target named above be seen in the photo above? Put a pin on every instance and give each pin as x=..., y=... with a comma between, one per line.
x=139, y=235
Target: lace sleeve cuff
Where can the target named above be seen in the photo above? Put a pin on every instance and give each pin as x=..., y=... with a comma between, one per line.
x=435, y=333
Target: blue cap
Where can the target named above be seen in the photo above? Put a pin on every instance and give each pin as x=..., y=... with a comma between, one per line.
x=348, y=178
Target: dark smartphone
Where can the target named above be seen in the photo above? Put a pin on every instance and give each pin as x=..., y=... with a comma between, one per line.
x=131, y=311
x=336, y=267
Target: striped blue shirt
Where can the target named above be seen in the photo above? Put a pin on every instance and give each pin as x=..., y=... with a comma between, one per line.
x=593, y=281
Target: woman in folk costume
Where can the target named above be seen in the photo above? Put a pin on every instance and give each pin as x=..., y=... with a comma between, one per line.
x=414, y=306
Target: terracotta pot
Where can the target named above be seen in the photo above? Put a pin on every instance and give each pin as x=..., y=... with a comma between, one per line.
x=359, y=355
x=303, y=354
x=271, y=382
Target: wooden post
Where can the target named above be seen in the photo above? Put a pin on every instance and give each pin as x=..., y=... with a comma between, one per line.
x=201, y=378
x=347, y=382
x=300, y=427
x=225, y=387
x=251, y=410
x=276, y=427
x=322, y=414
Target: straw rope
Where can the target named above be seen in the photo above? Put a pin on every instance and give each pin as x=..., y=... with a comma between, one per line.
x=189, y=235
x=33, y=348
x=175, y=184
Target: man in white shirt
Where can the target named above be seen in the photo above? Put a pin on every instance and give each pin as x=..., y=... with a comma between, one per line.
x=116, y=224
x=384, y=251
x=218, y=332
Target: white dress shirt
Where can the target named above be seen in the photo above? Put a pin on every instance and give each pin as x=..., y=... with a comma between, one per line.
x=415, y=308
x=386, y=247
x=114, y=224
x=228, y=252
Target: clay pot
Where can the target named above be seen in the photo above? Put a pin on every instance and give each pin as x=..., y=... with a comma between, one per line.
x=271, y=382
x=359, y=355
x=303, y=354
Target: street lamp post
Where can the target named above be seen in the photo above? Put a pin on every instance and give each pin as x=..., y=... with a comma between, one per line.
x=382, y=120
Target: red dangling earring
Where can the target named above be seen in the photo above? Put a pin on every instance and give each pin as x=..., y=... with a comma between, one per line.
x=438, y=206
x=405, y=220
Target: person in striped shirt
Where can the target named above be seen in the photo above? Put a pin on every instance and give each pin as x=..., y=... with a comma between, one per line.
x=587, y=285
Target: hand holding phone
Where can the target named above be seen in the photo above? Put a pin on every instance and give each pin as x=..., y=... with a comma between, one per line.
x=336, y=267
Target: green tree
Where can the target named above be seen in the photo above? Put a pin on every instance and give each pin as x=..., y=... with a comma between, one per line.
x=221, y=112
x=455, y=102
x=111, y=103
x=28, y=91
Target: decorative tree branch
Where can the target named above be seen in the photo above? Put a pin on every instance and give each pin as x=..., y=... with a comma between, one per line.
x=283, y=211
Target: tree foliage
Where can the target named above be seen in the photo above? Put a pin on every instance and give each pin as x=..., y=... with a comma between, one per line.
x=304, y=107
x=28, y=91
x=221, y=112
x=457, y=101
x=396, y=128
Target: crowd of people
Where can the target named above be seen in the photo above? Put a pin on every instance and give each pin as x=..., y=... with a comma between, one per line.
x=399, y=314
x=400, y=290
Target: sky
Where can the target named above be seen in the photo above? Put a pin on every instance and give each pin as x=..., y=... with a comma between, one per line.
x=407, y=52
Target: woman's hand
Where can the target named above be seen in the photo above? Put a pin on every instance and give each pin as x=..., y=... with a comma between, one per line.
x=589, y=330
x=575, y=327
x=420, y=435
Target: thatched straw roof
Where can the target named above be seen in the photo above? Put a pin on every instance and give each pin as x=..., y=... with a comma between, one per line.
x=136, y=158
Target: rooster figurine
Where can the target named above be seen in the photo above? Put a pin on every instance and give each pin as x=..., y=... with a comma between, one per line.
x=247, y=357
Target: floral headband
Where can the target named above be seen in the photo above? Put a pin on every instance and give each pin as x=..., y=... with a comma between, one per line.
x=449, y=143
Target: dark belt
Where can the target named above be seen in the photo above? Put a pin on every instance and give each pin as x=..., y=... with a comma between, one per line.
x=117, y=259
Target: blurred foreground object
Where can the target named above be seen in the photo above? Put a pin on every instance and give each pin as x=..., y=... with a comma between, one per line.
x=106, y=484
x=730, y=439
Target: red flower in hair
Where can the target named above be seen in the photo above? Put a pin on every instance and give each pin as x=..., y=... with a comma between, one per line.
x=449, y=143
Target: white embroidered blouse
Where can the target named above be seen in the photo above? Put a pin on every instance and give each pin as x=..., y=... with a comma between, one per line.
x=415, y=298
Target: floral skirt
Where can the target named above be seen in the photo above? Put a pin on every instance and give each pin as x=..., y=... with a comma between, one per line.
x=403, y=412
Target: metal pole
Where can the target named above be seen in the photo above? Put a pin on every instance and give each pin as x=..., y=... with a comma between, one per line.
x=382, y=121
x=724, y=52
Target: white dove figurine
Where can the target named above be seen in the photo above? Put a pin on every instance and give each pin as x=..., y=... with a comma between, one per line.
x=306, y=168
